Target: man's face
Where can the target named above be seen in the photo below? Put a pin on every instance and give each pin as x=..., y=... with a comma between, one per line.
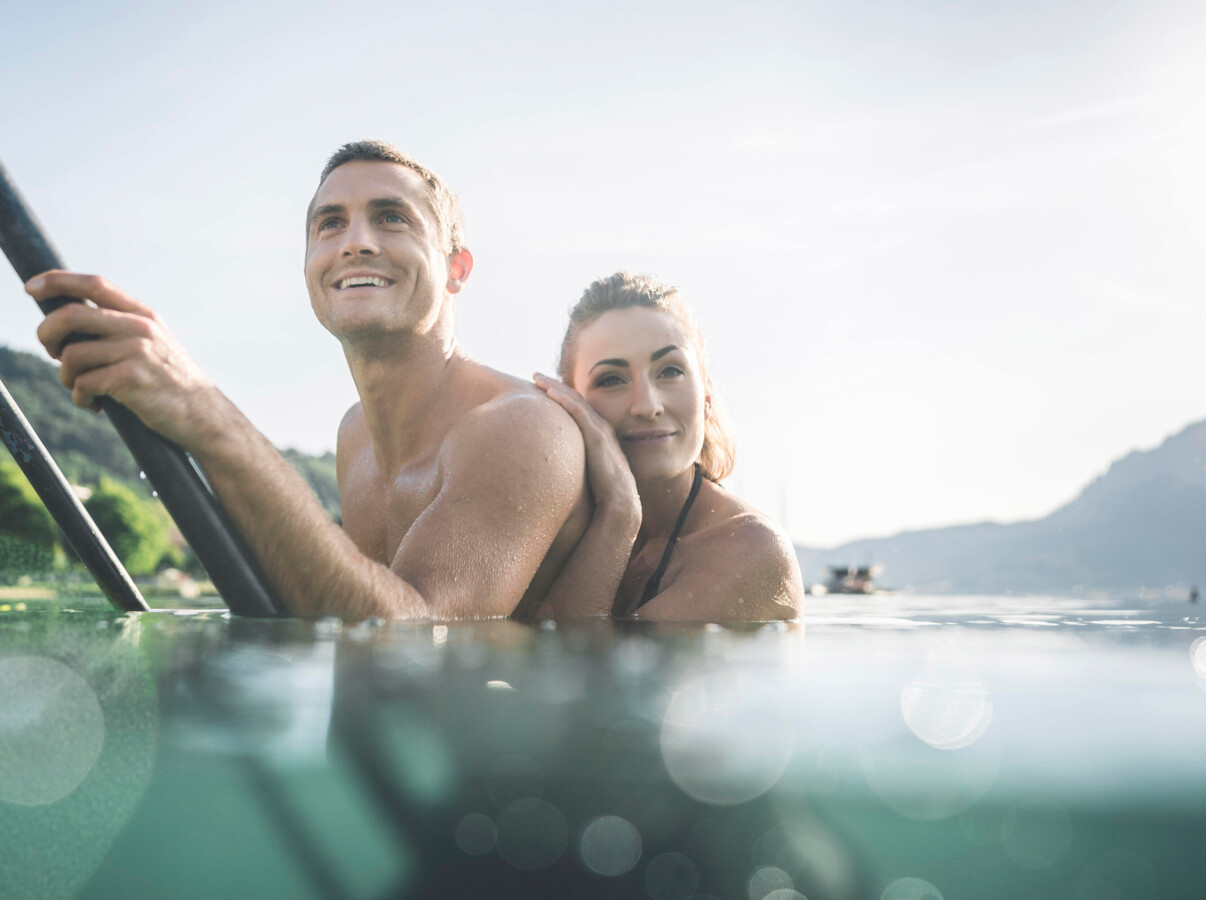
x=375, y=260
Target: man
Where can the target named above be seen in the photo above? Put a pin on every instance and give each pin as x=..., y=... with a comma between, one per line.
x=462, y=489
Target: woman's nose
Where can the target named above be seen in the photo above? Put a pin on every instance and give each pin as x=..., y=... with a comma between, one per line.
x=646, y=402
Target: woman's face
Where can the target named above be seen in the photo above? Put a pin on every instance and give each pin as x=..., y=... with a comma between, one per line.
x=639, y=369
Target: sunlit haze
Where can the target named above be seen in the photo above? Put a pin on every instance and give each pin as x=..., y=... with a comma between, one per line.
x=950, y=258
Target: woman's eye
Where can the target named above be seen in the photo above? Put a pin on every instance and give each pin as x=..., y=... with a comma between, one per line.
x=672, y=372
x=608, y=381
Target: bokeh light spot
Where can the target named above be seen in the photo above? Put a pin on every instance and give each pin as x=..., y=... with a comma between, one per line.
x=947, y=717
x=946, y=704
x=768, y=880
x=911, y=889
x=610, y=846
x=723, y=741
x=671, y=876
x=532, y=834
x=1197, y=656
x=51, y=730
x=476, y=834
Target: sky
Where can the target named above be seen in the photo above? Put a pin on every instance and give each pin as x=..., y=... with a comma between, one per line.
x=948, y=256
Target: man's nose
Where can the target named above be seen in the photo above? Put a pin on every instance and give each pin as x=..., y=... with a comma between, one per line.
x=359, y=240
x=647, y=401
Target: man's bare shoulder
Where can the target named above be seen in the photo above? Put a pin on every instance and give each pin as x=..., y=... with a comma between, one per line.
x=520, y=422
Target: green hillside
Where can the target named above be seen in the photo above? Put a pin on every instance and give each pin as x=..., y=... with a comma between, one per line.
x=87, y=448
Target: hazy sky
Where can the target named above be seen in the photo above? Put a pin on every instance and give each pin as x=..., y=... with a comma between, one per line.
x=949, y=256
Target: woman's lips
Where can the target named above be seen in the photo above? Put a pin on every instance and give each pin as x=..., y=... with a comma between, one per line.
x=647, y=437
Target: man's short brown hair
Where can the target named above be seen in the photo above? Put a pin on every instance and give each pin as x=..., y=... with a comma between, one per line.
x=447, y=208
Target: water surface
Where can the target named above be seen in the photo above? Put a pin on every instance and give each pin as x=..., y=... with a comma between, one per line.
x=885, y=747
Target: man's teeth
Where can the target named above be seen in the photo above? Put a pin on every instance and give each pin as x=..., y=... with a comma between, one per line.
x=361, y=281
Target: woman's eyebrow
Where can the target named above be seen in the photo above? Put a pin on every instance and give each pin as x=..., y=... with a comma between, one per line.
x=622, y=363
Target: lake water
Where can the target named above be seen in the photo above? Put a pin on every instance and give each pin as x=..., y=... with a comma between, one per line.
x=894, y=747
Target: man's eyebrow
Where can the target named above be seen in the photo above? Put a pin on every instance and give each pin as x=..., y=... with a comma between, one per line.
x=326, y=209
x=622, y=363
x=391, y=202
x=375, y=204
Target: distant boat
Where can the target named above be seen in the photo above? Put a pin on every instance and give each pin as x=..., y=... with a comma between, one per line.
x=852, y=579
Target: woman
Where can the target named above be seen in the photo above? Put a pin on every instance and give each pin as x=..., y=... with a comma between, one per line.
x=666, y=540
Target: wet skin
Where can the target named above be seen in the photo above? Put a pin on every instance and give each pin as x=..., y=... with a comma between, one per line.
x=462, y=488
x=639, y=396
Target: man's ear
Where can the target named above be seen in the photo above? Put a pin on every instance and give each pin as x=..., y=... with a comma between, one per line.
x=460, y=264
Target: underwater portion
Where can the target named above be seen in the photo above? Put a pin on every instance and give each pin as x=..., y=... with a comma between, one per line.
x=903, y=748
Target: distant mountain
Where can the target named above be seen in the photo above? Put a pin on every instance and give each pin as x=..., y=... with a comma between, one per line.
x=85, y=445
x=1141, y=525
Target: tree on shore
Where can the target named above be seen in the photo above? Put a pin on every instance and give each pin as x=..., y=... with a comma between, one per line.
x=27, y=531
x=138, y=530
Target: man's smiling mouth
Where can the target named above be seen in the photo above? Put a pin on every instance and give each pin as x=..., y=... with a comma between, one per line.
x=362, y=281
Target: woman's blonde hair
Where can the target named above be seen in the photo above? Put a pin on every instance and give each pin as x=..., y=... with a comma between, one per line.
x=625, y=290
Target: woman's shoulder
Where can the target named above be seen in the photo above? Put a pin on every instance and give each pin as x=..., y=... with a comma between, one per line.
x=744, y=554
x=725, y=516
x=745, y=531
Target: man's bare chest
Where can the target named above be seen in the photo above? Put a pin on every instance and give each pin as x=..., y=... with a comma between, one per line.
x=379, y=508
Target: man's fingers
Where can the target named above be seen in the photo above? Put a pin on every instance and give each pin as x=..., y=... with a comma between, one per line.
x=87, y=356
x=57, y=283
x=571, y=401
x=597, y=434
x=78, y=319
x=87, y=390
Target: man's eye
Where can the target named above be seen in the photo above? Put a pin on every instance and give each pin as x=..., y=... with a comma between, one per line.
x=394, y=219
x=327, y=223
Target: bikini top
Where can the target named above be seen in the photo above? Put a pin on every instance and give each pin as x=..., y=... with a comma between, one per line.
x=655, y=579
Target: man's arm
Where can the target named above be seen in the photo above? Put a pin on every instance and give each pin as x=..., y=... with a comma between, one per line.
x=479, y=520
x=512, y=474
x=589, y=580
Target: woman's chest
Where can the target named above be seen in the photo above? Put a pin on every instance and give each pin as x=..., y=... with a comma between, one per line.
x=652, y=568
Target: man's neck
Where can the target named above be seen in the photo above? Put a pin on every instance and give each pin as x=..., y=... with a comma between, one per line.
x=403, y=382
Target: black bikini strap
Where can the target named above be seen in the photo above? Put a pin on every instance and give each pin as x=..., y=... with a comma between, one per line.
x=655, y=580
